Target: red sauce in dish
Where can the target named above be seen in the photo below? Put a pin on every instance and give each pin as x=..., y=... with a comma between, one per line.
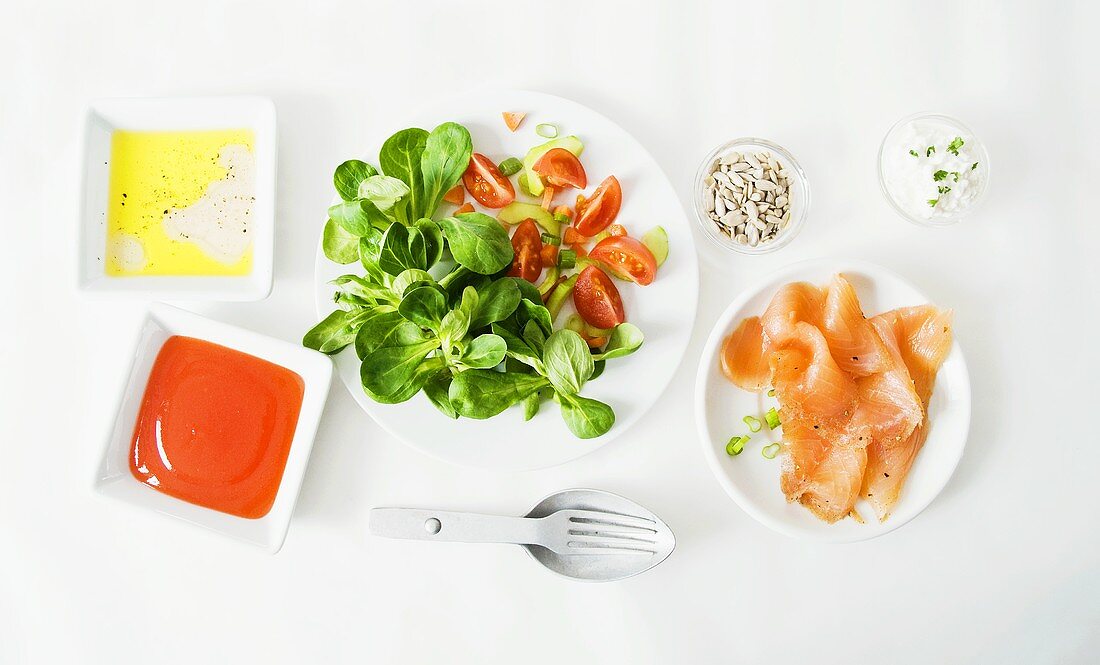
x=215, y=427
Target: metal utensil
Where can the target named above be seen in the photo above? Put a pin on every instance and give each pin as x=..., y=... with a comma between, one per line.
x=582, y=534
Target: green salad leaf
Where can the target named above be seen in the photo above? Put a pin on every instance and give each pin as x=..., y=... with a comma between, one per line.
x=478, y=242
x=349, y=176
x=446, y=155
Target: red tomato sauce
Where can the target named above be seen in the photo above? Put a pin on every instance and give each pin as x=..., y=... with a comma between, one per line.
x=215, y=427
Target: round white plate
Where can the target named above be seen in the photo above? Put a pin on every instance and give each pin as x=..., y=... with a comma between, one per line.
x=664, y=310
x=753, y=481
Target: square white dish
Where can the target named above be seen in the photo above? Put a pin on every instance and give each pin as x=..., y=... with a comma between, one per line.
x=176, y=114
x=114, y=478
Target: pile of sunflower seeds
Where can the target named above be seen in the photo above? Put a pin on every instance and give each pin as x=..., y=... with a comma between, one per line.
x=748, y=197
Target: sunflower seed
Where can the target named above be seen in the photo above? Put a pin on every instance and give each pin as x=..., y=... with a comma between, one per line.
x=766, y=185
x=781, y=200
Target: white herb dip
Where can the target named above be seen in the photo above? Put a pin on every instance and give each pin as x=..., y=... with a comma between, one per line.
x=932, y=169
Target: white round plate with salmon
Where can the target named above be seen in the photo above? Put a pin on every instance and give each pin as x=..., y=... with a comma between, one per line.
x=851, y=405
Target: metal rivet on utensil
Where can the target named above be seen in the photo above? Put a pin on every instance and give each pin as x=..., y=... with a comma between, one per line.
x=433, y=526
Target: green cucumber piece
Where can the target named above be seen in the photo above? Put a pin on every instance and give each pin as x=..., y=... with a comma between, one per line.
x=559, y=295
x=656, y=241
x=517, y=211
x=533, y=181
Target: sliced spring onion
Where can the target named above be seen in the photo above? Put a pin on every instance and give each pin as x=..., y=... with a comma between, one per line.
x=769, y=452
x=567, y=259
x=771, y=392
x=561, y=218
x=510, y=166
x=753, y=423
x=550, y=239
x=736, y=445
x=772, y=418
x=546, y=130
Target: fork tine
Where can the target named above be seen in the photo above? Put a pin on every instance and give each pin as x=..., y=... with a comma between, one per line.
x=595, y=519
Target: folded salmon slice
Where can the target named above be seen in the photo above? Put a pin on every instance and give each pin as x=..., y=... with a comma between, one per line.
x=824, y=477
x=808, y=381
x=889, y=405
x=794, y=303
x=852, y=339
x=744, y=359
x=923, y=338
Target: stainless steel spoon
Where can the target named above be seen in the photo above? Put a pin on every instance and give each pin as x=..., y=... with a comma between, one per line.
x=582, y=534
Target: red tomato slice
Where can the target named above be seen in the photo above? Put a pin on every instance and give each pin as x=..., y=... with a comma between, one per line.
x=626, y=256
x=513, y=119
x=597, y=300
x=595, y=213
x=549, y=255
x=561, y=168
x=617, y=230
x=465, y=207
x=455, y=196
x=485, y=183
x=527, y=245
x=572, y=237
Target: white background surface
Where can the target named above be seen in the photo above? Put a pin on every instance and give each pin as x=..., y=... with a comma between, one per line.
x=1004, y=567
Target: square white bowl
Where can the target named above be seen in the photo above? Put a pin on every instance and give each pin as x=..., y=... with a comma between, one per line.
x=176, y=114
x=114, y=478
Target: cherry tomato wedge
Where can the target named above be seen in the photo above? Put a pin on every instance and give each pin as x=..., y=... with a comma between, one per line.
x=626, y=256
x=561, y=168
x=549, y=255
x=572, y=237
x=485, y=183
x=512, y=119
x=597, y=300
x=465, y=207
x=595, y=213
x=616, y=230
x=527, y=245
x=455, y=196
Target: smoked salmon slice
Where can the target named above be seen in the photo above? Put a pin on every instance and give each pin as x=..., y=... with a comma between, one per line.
x=808, y=381
x=855, y=346
x=824, y=477
x=923, y=336
x=888, y=401
x=744, y=359
x=853, y=391
x=798, y=302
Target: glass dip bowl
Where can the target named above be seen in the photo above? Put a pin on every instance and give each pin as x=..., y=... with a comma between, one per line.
x=798, y=191
x=891, y=179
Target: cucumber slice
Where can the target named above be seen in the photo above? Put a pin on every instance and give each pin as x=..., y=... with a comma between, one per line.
x=656, y=241
x=517, y=211
x=532, y=179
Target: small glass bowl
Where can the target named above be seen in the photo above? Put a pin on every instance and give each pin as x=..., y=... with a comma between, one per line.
x=799, y=193
x=983, y=159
